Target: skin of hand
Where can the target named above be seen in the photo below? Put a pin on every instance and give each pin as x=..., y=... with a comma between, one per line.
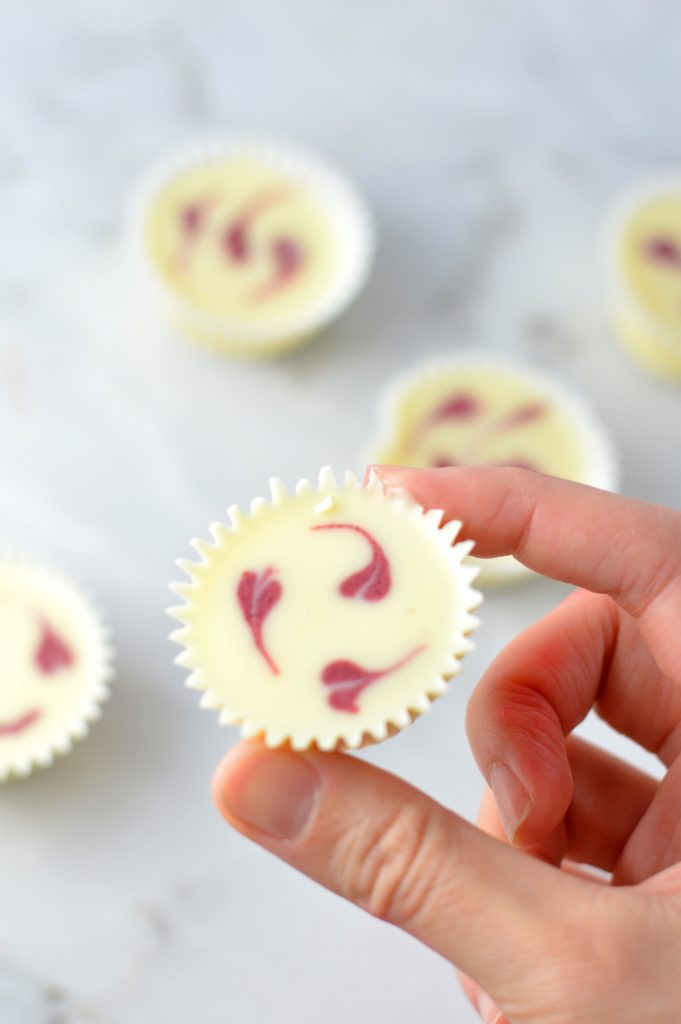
x=536, y=939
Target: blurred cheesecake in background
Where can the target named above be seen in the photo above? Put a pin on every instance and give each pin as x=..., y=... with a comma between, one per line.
x=251, y=248
x=55, y=666
x=475, y=410
x=644, y=260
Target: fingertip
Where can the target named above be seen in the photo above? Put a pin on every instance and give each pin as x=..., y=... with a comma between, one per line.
x=230, y=764
x=532, y=695
x=513, y=801
x=524, y=824
x=522, y=756
x=551, y=795
x=387, y=474
x=549, y=847
x=488, y=1010
x=532, y=790
x=266, y=792
x=545, y=843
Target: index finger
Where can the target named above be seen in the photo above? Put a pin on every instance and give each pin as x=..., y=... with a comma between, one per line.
x=600, y=541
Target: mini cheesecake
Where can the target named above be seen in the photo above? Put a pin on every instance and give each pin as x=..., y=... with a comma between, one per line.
x=252, y=248
x=330, y=617
x=55, y=664
x=472, y=411
x=644, y=258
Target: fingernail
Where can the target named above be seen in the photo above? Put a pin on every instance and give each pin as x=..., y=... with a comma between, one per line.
x=488, y=1010
x=384, y=473
x=272, y=791
x=512, y=799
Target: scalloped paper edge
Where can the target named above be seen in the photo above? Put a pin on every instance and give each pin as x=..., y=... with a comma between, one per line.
x=99, y=692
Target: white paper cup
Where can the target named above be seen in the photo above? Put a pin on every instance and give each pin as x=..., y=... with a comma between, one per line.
x=350, y=223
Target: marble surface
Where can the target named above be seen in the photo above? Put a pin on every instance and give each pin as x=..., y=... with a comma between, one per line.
x=489, y=138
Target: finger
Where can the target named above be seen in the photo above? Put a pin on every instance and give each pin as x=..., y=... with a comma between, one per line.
x=656, y=841
x=549, y=848
x=610, y=799
x=489, y=821
x=542, y=685
x=386, y=847
x=534, y=693
x=638, y=700
x=612, y=545
x=487, y=1009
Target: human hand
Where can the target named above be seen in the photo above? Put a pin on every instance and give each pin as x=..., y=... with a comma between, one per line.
x=511, y=910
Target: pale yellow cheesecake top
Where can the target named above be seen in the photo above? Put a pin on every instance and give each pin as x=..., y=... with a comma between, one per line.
x=328, y=614
x=243, y=240
x=51, y=664
x=648, y=256
x=479, y=414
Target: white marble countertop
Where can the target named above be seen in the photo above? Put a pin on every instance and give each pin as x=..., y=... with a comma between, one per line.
x=490, y=139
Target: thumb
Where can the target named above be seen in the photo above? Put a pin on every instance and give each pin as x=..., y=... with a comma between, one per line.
x=388, y=848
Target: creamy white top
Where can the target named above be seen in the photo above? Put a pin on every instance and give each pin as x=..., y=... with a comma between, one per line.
x=648, y=256
x=327, y=615
x=242, y=240
x=487, y=414
x=50, y=665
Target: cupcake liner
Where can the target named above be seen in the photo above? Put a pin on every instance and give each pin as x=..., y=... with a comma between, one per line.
x=603, y=469
x=646, y=337
x=352, y=222
x=293, y=708
x=47, y=740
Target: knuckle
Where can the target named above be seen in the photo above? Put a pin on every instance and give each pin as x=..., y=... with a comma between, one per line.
x=391, y=869
x=643, y=583
x=525, y=714
x=514, y=523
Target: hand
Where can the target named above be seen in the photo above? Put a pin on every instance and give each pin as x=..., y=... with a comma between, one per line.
x=505, y=903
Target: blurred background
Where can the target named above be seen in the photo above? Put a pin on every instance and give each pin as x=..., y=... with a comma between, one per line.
x=490, y=140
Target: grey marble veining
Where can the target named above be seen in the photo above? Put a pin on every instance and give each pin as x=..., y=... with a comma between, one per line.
x=489, y=138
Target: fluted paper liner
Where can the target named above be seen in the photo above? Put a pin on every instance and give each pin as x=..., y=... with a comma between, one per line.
x=407, y=626
x=600, y=456
x=350, y=220
x=65, y=710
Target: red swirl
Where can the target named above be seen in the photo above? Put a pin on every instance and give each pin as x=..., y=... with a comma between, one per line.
x=373, y=582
